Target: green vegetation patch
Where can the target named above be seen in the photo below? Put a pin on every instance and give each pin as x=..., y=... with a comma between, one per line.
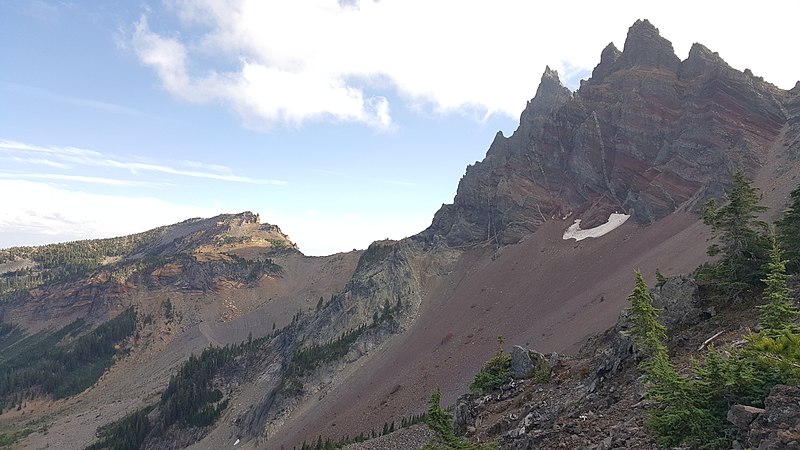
x=11, y=437
x=692, y=409
x=441, y=422
x=190, y=400
x=495, y=373
x=128, y=433
x=59, y=363
x=307, y=360
x=66, y=261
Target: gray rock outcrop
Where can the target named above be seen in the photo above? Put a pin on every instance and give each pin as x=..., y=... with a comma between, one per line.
x=526, y=363
x=741, y=416
x=778, y=426
x=678, y=302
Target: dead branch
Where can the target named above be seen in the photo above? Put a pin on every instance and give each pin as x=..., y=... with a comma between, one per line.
x=709, y=340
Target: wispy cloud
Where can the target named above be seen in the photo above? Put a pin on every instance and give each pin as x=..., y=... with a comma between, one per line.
x=40, y=162
x=83, y=179
x=85, y=157
x=82, y=102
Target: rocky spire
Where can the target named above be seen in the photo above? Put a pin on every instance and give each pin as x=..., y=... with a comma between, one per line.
x=644, y=46
x=701, y=60
x=550, y=95
x=608, y=58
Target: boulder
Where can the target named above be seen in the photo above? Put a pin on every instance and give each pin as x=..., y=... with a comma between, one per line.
x=525, y=363
x=741, y=416
x=678, y=301
x=779, y=425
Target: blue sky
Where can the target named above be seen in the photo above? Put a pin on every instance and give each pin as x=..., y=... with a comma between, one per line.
x=341, y=122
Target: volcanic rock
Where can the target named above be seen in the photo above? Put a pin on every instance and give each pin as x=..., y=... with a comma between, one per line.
x=779, y=425
x=525, y=363
x=646, y=135
x=678, y=302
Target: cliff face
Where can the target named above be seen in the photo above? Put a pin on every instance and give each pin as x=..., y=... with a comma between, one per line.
x=647, y=134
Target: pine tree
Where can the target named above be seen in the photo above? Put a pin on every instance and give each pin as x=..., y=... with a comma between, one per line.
x=646, y=331
x=743, y=246
x=779, y=310
x=438, y=419
x=441, y=422
x=660, y=278
x=789, y=232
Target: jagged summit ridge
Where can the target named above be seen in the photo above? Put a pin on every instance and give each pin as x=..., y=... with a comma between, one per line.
x=608, y=57
x=550, y=95
x=646, y=135
x=644, y=46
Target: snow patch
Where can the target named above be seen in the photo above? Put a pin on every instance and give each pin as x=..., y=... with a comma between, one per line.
x=574, y=231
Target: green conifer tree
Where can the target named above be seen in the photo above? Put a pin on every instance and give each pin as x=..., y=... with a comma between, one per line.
x=789, y=232
x=742, y=244
x=779, y=310
x=646, y=331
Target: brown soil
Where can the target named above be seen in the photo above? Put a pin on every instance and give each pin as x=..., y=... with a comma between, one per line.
x=545, y=293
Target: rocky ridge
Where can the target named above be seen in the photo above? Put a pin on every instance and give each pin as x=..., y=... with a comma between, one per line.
x=647, y=134
x=193, y=255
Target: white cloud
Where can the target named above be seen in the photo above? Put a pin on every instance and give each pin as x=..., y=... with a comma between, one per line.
x=65, y=214
x=288, y=62
x=319, y=233
x=84, y=157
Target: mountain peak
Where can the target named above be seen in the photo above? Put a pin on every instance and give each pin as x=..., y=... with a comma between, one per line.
x=608, y=57
x=550, y=73
x=644, y=46
x=701, y=60
x=550, y=95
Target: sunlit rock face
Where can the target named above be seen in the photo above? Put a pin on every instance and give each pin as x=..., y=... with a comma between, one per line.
x=646, y=135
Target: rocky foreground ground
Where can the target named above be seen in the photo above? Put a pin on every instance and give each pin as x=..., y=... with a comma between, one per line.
x=596, y=400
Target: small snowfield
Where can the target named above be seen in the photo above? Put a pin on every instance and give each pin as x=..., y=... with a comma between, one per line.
x=574, y=231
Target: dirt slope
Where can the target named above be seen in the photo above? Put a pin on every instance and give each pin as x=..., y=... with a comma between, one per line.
x=545, y=292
